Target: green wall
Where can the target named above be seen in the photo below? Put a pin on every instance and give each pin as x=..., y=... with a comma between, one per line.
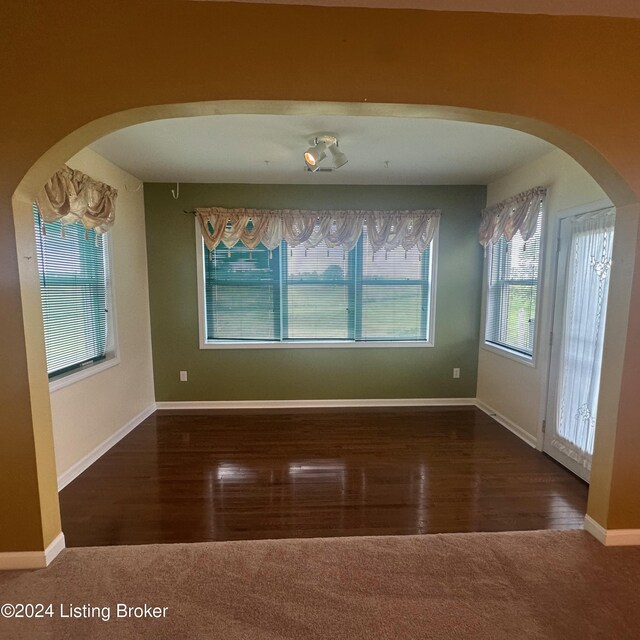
x=288, y=373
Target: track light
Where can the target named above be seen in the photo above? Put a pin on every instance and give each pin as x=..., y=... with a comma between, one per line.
x=317, y=152
x=339, y=159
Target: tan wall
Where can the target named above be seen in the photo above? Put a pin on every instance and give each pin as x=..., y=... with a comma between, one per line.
x=623, y=506
x=614, y=498
x=67, y=65
x=168, y=52
x=89, y=411
x=517, y=390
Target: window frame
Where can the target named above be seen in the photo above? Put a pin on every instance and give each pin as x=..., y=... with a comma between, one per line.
x=311, y=344
x=504, y=350
x=112, y=351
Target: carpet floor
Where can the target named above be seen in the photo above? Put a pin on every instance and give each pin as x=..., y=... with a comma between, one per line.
x=544, y=584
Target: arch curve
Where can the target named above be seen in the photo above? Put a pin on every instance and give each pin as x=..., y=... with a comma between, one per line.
x=614, y=185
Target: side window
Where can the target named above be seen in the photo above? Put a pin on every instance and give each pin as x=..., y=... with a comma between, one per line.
x=73, y=267
x=512, y=292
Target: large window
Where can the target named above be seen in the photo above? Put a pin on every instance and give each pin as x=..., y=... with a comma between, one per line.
x=74, y=283
x=512, y=293
x=298, y=295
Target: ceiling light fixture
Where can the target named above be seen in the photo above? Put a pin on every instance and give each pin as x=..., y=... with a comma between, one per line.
x=314, y=155
x=317, y=152
x=339, y=159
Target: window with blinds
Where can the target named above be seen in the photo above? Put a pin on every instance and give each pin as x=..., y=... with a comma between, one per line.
x=74, y=284
x=318, y=286
x=512, y=293
x=395, y=294
x=293, y=294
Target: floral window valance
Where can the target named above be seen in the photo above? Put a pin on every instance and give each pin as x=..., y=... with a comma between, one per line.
x=72, y=196
x=506, y=218
x=386, y=230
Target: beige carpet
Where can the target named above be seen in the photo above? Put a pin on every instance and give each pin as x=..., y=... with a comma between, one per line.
x=542, y=585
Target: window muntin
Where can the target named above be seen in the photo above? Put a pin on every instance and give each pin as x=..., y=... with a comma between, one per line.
x=512, y=293
x=317, y=295
x=74, y=284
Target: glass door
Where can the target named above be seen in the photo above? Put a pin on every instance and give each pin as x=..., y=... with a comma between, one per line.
x=584, y=265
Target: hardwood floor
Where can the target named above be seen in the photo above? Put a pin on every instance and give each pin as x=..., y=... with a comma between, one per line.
x=192, y=477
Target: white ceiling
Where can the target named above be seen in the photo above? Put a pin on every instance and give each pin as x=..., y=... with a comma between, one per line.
x=619, y=8
x=269, y=148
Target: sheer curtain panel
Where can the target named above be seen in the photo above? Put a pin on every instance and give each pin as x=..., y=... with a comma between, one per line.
x=589, y=265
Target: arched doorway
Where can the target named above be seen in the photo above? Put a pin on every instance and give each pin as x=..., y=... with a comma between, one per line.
x=617, y=189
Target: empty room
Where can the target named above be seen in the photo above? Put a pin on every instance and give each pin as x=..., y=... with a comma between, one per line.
x=320, y=330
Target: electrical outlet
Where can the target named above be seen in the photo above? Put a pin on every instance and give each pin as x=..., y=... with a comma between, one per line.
x=456, y=373
x=183, y=376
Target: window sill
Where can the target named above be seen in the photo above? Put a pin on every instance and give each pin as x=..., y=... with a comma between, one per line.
x=528, y=361
x=67, y=379
x=314, y=345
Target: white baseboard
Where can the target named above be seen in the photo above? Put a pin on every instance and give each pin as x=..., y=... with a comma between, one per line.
x=598, y=532
x=16, y=560
x=523, y=434
x=82, y=465
x=611, y=537
x=52, y=551
x=316, y=404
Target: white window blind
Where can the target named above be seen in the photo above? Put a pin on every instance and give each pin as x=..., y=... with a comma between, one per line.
x=242, y=294
x=395, y=294
x=295, y=294
x=512, y=292
x=74, y=287
x=319, y=301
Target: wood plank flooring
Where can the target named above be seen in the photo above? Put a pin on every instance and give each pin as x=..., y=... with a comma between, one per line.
x=229, y=476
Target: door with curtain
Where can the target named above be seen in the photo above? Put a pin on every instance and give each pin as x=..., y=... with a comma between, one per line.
x=582, y=287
